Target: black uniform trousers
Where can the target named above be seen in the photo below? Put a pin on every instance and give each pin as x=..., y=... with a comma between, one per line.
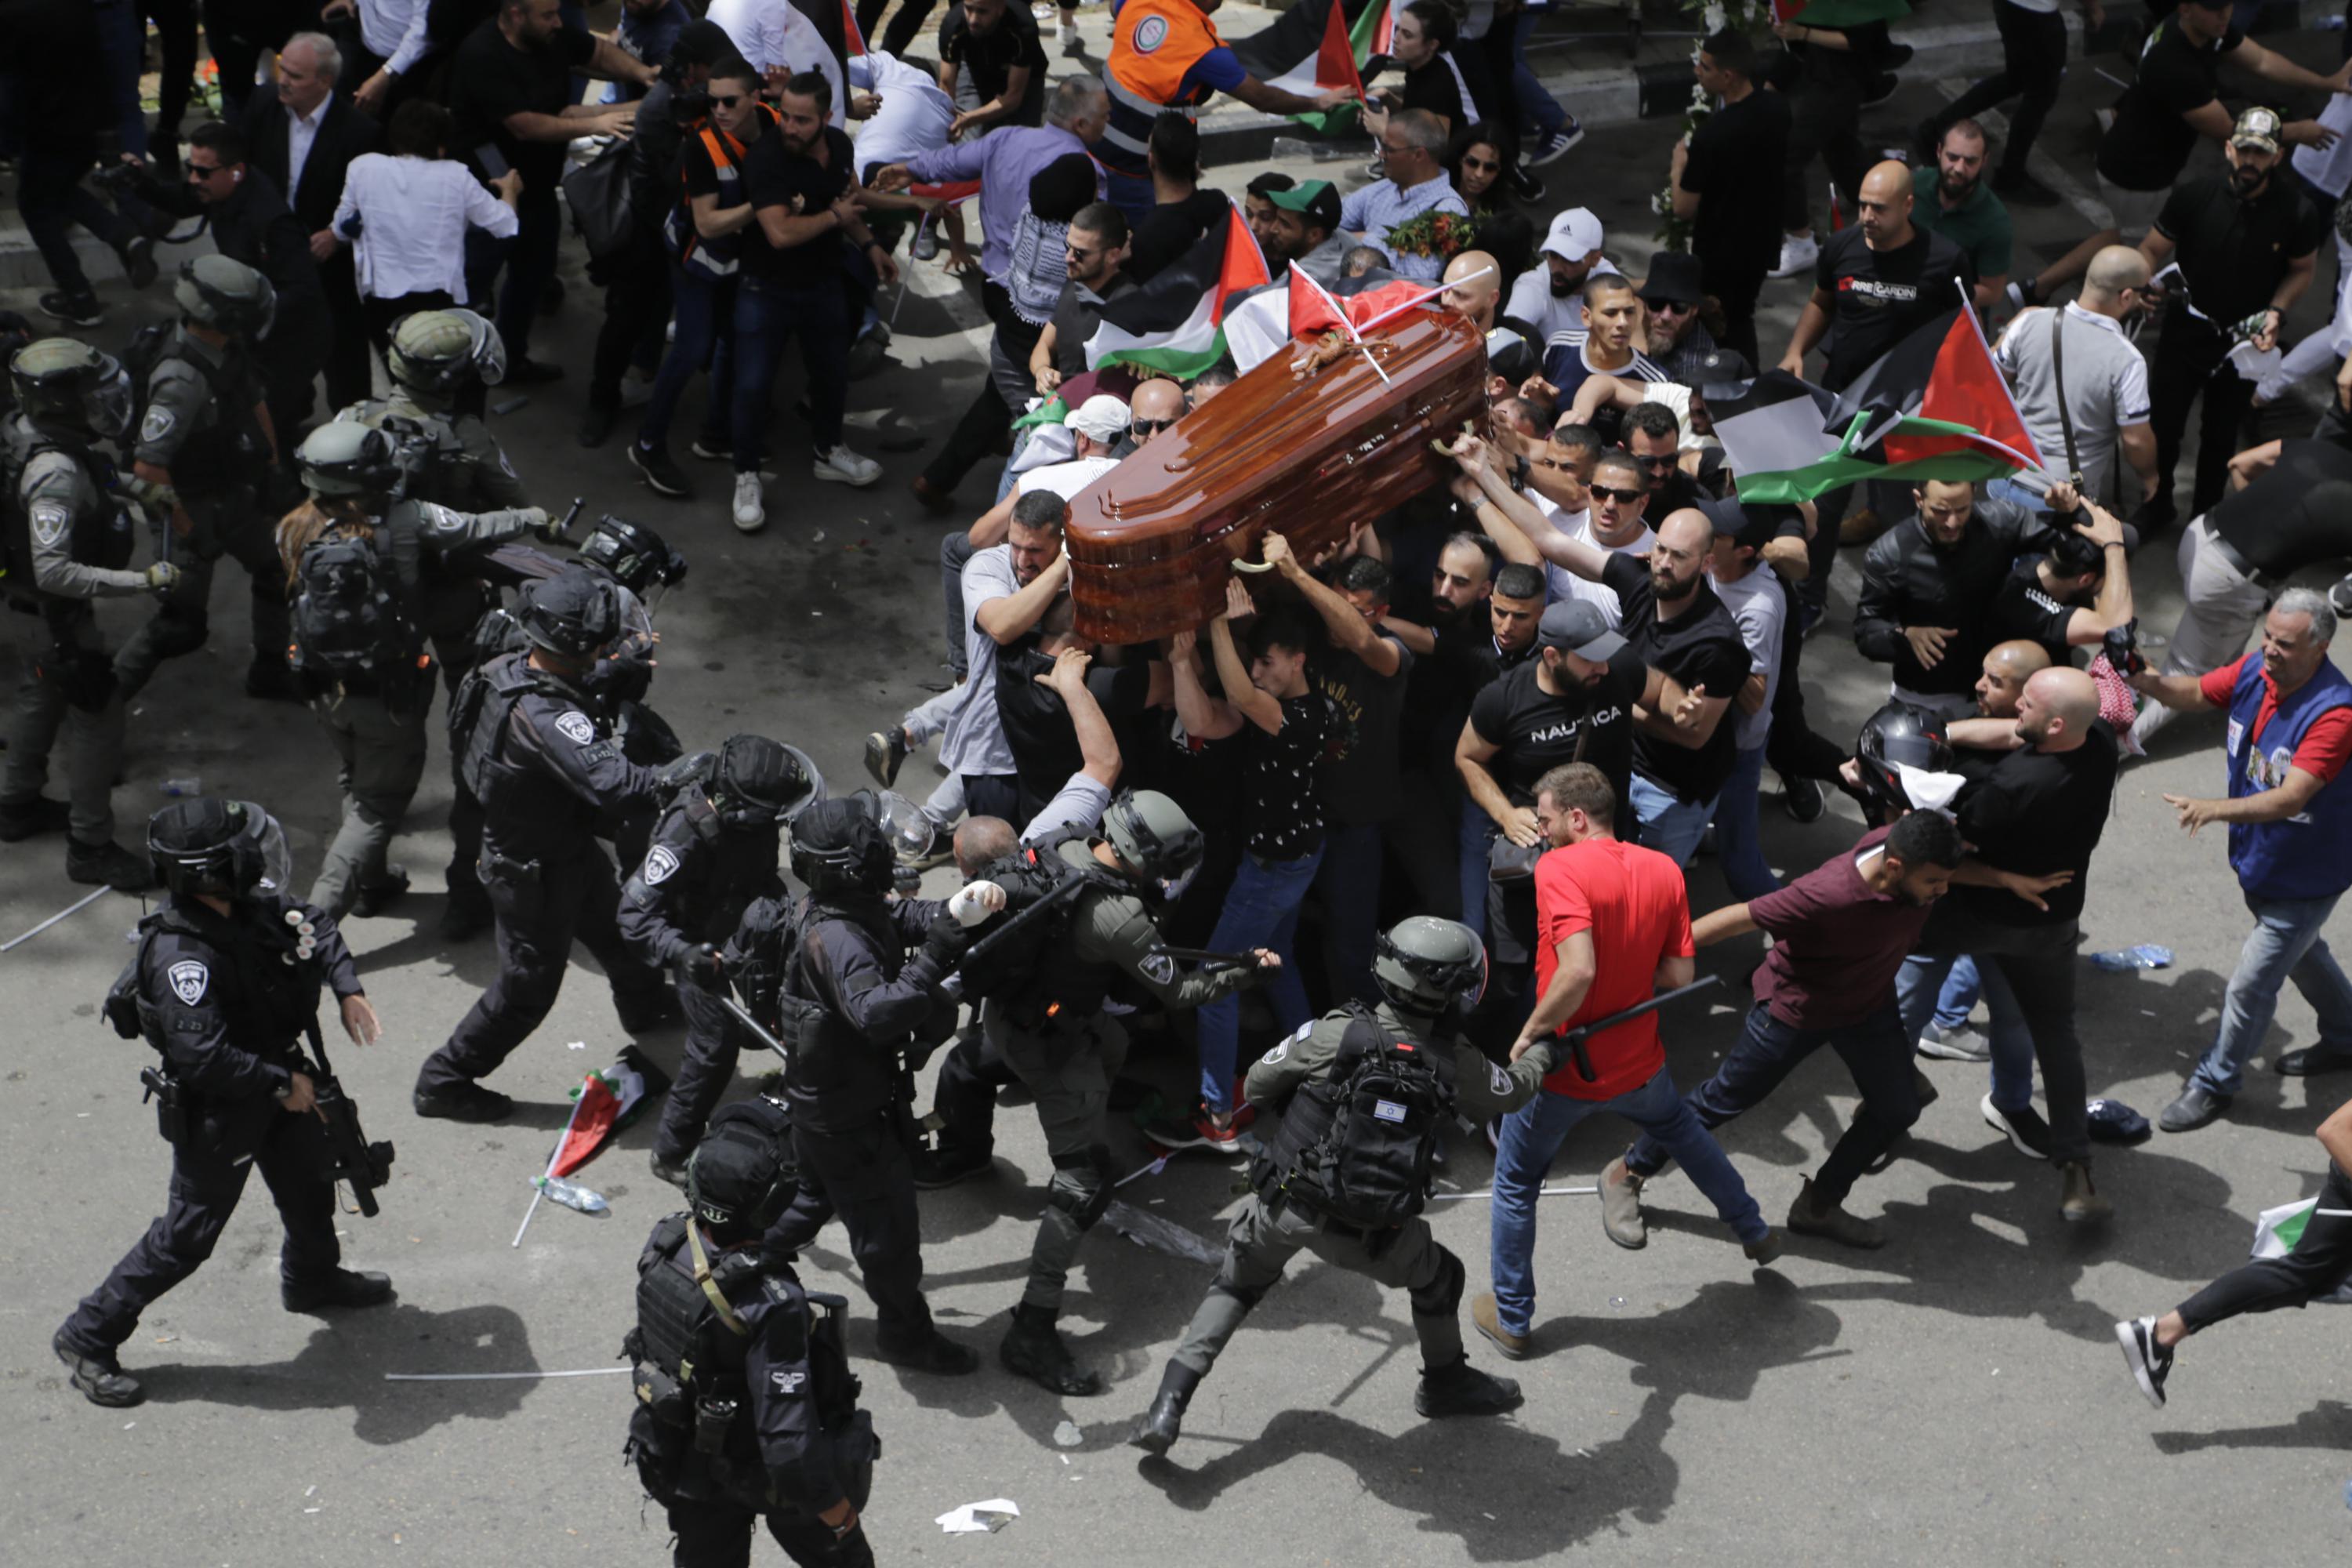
x=989, y=417
x=1824, y=121
x=714, y=1043
x=209, y=1168
x=2193, y=358
x=867, y=1176
x=537, y=920
x=636, y=308
x=964, y=1100
x=712, y=1534
x=2321, y=1261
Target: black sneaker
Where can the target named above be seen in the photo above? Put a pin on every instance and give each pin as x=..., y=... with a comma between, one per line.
x=374, y=901
x=2024, y=1128
x=100, y=1378
x=108, y=864
x=1463, y=1390
x=22, y=819
x=596, y=425
x=462, y=1102
x=2019, y=188
x=886, y=754
x=949, y=1163
x=139, y=262
x=2150, y=1363
x=1803, y=799
x=660, y=470
x=343, y=1288
x=73, y=310
x=1882, y=90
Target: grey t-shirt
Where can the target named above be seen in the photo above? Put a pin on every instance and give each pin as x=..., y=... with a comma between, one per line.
x=975, y=741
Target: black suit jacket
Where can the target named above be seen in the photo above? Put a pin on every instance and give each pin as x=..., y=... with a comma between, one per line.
x=343, y=135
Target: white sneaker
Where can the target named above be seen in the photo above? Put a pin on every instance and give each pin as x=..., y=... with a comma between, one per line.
x=750, y=516
x=844, y=466
x=1797, y=254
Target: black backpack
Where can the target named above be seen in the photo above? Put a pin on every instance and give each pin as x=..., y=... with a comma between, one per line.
x=142, y=354
x=1012, y=968
x=349, y=623
x=1359, y=1145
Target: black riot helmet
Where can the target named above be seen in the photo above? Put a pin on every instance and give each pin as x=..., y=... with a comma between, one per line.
x=1900, y=735
x=223, y=848
x=575, y=614
x=633, y=556
x=1429, y=967
x=1152, y=834
x=758, y=782
x=838, y=847
x=741, y=1175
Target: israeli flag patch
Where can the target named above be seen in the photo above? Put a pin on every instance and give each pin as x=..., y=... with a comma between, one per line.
x=1388, y=1110
x=574, y=726
x=188, y=979
x=660, y=865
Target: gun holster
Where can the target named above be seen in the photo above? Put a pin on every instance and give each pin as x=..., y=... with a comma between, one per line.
x=170, y=1105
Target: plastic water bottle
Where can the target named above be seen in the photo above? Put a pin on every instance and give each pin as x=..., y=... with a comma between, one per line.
x=572, y=1195
x=2147, y=955
x=178, y=789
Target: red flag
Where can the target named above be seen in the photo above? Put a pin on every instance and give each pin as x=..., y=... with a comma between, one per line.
x=1245, y=264
x=853, y=37
x=1965, y=387
x=592, y=1123
x=1335, y=61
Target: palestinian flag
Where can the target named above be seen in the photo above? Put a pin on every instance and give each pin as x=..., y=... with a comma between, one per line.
x=605, y=1102
x=1268, y=320
x=1840, y=13
x=852, y=38
x=1175, y=322
x=1934, y=407
x=1313, y=48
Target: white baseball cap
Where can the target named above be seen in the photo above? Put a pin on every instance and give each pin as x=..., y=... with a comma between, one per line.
x=1102, y=416
x=1575, y=235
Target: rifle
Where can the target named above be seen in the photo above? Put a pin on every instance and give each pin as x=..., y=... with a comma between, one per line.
x=344, y=1153
x=1577, y=1037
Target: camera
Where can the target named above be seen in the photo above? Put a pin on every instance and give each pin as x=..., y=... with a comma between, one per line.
x=2122, y=648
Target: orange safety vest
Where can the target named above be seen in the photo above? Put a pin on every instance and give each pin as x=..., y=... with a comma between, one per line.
x=1153, y=43
x=714, y=259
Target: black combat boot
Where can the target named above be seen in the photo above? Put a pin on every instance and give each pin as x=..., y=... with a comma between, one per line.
x=948, y=1162
x=100, y=1378
x=343, y=1288
x=934, y=1353
x=1032, y=1349
x=1463, y=1390
x=108, y=864
x=1164, y=1421
x=462, y=1102
x=22, y=819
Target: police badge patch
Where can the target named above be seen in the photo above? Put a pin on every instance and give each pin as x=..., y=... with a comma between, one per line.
x=51, y=520
x=660, y=864
x=158, y=422
x=574, y=726
x=1158, y=967
x=188, y=979
x=1498, y=1080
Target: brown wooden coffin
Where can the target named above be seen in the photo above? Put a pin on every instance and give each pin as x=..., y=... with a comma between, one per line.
x=1152, y=541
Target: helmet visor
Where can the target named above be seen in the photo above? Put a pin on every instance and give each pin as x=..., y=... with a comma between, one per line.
x=1173, y=887
x=106, y=406
x=264, y=866
x=489, y=349
x=909, y=832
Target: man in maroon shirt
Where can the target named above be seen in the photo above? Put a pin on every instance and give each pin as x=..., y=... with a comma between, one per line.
x=1840, y=933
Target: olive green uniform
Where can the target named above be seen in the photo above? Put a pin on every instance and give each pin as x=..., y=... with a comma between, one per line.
x=217, y=454
x=1069, y=1063
x=1266, y=1234
x=75, y=530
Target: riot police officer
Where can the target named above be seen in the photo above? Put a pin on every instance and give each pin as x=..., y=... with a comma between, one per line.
x=1345, y=1177
x=437, y=359
x=1042, y=1013
x=715, y=848
x=746, y=1407
x=362, y=566
x=70, y=397
x=540, y=758
x=835, y=973
x=205, y=432
x=225, y=981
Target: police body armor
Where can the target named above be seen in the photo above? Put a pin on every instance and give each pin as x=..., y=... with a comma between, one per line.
x=742, y=866
x=836, y=1077
x=691, y=1434
x=235, y=453
x=1039, y=981
x=103, y=539
x=428, y=450
x=1359, y=1145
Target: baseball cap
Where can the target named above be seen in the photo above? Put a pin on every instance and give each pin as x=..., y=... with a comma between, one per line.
x=1574, y=235
x=1577, y=627
x=1319, y=200
x=2257, y=127
x=1102, y=416
x=1732, y=521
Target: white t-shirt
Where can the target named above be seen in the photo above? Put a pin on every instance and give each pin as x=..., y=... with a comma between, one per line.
x=1757, y=603
x=1064, y=480
x=1567, y=585
x=1533, y=301
x=914, y=117
x=2329, y=168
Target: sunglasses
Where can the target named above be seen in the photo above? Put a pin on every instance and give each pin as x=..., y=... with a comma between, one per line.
x=206, y=171
x=1150, y=426
x=1670, y=307
x=1081, y=256
x=1610, y=493
x=728, y=99
x=1490, y=165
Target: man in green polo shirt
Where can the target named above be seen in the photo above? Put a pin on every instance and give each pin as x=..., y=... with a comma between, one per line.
x=1952, y=199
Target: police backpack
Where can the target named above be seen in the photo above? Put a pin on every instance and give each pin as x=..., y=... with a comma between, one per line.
x=349, y=621
x=1359, y=1145
x=1016, y=965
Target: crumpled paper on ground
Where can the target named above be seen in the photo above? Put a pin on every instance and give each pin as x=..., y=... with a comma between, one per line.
x=979, y=1518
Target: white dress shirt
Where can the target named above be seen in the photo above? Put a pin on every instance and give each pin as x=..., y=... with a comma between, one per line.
x=414, y=214
x=394, y=31
x=300, y=135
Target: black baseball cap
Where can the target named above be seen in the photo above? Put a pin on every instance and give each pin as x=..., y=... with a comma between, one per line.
x=1577, y=627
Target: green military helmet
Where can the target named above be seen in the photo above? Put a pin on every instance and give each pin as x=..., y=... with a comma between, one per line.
x=64, y=382
x=436, y=351
x=226, y=296
x=344, y=459
x=1152, y=834
x=1427, y=966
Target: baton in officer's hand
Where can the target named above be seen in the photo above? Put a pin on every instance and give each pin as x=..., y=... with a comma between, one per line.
x=743, y=1016
x=570, y=517
x=1576, y=1038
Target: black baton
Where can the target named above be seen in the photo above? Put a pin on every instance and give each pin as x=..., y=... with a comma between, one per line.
x=1582, y=1032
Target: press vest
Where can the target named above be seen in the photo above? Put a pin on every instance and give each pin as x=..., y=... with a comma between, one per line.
x=2309, y=856
x=1153, y=44
x=714, y=259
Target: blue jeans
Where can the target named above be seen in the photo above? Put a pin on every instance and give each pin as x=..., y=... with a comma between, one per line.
x=1671, y=827
x=1959, y=997
x=703, y=308
x=1532, y=1136
x=1261, y=910
x=1920, y=984
x=1478, y=831
x=530, y=268
x=2284, y=944
x=767, y=315
x=1537, y=107
x=1349, y=885
x=1744, y=870
x=122, y=40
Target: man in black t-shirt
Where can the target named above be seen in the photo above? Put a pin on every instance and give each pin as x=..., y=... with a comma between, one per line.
x=2071, y=595
x=797, y=281
x=2246, y=244
x=1420, y=45
x=1725, y=182
x=510, y=93
x=1180, y=211
x=991, y=63
x=2033, y=824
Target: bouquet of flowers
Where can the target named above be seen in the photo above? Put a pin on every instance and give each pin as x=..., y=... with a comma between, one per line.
x=1439, y=233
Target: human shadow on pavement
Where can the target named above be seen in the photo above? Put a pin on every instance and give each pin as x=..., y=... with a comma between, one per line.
x=344, y=1365
x=2326, y=1425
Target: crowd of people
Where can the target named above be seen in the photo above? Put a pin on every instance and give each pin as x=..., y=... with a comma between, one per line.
x=1470, y=749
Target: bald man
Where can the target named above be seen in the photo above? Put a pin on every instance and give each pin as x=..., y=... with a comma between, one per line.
x=2107, y=404
x=1879, y=280
x=2034, y=819
x=1473, y=291
x=1152, y=409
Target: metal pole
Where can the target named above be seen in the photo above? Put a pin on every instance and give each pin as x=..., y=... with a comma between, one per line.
x=74, y=909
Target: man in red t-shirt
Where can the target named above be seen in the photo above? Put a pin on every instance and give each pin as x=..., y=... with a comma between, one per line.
x=2289, y=818
x=1839, y=935
x=1613, y=925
